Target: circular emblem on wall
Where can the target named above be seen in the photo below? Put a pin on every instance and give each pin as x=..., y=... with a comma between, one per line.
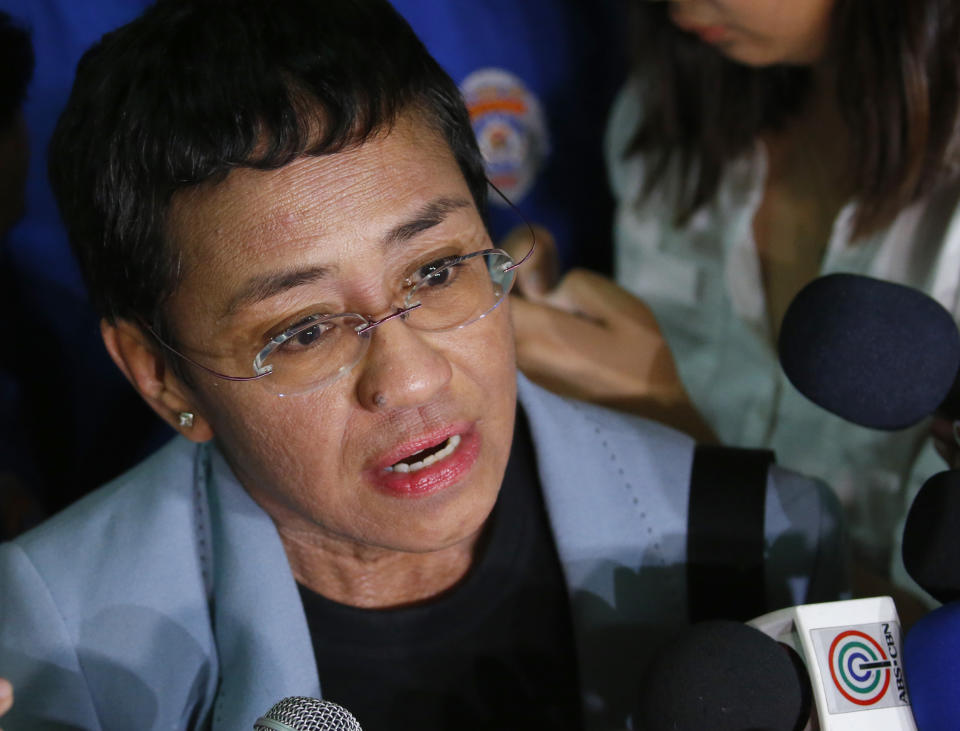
x=859, y=667
x=510, y=128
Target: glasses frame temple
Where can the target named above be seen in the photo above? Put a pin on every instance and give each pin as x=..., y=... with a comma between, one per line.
x=533, y=234
x=266, y=372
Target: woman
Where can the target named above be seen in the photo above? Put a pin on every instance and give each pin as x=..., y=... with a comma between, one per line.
x=760, y=144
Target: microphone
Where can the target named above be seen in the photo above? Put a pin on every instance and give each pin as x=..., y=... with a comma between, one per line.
x=847, y=653
x=852, y=653
x=724, y=676
x=932, y=662
x=876, y=353
x=931, y=555
x=931, y=547
x=299, y=713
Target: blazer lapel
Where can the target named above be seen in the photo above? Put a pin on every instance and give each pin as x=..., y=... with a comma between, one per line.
x=262, y=637
x=615, y=488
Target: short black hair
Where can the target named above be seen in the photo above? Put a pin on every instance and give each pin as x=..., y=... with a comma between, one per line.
x=193, y=89
x=16, y=69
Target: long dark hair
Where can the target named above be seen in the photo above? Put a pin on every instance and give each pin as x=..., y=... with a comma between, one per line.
x=897, y=65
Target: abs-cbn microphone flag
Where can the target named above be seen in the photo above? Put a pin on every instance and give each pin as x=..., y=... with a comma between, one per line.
x=863, y=664
x=853, y=654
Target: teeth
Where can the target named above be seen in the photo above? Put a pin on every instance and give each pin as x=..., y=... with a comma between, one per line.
x=448, y=449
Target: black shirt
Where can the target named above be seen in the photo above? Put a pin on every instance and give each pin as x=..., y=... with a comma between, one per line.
x=495, y=652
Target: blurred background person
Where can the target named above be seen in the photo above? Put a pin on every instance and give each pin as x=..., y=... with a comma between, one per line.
x=18, y=508
x=538, y=78
x=16, y=69
x=758, y=145
x=76, y=423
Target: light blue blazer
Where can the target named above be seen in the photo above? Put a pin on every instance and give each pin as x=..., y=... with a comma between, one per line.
x=164, y=600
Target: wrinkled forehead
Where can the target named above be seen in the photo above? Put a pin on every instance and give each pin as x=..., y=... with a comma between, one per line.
x=316, y=188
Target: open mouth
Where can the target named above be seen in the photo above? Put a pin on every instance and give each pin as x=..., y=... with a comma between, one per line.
x=426, y=457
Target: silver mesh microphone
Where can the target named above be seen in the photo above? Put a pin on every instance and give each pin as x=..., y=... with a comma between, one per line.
x=298, y=713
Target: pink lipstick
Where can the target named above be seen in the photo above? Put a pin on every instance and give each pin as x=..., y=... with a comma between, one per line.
x=428, y=464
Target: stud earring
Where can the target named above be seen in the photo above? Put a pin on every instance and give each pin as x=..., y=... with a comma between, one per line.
x=185, y=419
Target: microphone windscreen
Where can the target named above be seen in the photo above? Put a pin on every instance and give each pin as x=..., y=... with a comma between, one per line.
x=299, y=713
x=872, y=352
x=931, y=536
x=724, y=676
x=931, y=663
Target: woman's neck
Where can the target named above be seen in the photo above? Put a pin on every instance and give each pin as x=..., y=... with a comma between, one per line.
x=813, y=149
x=375, y=578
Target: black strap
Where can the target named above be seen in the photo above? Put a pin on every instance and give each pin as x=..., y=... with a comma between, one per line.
x=728, y=489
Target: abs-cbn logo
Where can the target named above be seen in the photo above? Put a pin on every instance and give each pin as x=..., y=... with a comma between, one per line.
x=861, y=666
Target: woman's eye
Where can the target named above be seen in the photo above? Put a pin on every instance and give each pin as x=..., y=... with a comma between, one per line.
x=438, y=278
x=436, y=273
x=310, y=337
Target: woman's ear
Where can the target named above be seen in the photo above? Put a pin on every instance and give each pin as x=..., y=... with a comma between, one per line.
x=138, y=357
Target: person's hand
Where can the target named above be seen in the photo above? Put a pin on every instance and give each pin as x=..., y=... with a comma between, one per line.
x=6, y=696
x=592, y=340
x=540, y=273
x=946, y=440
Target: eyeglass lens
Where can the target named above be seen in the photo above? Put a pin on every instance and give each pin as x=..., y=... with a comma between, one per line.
x=321, y=348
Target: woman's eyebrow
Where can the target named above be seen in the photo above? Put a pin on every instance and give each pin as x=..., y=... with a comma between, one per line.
x=432, y=214
x=262, y=287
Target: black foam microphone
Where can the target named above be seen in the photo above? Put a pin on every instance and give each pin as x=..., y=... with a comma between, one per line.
x=835, y=666
x=725, y=676
x=931, y=537
x=299, y=713
x=878, y=354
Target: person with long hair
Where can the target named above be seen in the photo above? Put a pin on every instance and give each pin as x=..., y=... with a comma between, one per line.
x=760, y=144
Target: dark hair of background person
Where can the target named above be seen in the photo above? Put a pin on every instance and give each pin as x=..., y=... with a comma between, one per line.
x=16, y=69
x=897, y=70
x=196, y=88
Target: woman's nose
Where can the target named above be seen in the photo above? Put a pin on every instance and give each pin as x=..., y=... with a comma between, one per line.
x=403, y=368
